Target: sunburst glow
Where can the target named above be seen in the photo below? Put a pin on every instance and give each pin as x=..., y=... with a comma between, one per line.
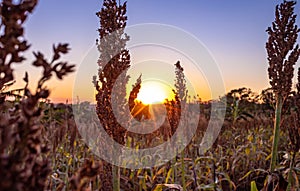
x=152, y=92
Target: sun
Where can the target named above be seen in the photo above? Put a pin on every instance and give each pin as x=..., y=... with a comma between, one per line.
x=151, y=93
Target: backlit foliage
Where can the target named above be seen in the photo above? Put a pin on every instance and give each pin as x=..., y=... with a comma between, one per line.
x=24, y=164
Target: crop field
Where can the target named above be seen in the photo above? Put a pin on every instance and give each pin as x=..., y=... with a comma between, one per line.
x=241, y=141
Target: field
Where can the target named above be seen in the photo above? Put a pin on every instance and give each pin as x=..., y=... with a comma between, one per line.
x=240, y=155
x=244, y=140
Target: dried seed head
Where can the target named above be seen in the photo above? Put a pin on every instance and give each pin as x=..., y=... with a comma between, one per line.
x=180, y=82
x=281, y=48
x=113, y=62
x=25, y=165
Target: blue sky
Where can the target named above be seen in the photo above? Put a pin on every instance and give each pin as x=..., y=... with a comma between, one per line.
x=233, y=31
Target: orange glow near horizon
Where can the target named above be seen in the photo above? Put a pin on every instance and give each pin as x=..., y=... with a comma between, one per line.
x=154, y=63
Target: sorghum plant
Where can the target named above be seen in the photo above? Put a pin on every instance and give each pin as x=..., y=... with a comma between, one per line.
x=175, y=111
x=137, y=109
x=292, y=123
x=180, y=82
x=173, y=107
x=133, y=95
x=282, y=56
x=113, y=63
x=23, y=162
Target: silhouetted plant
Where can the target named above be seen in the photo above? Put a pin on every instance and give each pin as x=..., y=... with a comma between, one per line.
x=113, y=63
x=173, y=116
x=180, y=83
x=173, y=107
x=134, y=93
x=138, y=110
x=292, y=124
x=23, y=162
x=282, y=56
x=175, y=110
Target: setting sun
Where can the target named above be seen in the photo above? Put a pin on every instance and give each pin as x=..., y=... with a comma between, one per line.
x=152, y=92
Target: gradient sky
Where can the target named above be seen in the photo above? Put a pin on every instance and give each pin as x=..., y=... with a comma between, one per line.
x=232, y=30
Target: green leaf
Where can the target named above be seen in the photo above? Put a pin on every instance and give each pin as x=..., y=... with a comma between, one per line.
x=169, y=175
x=253, y=186
x=246, y=175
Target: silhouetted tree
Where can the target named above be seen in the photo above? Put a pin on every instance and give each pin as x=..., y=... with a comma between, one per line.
x=241, y=104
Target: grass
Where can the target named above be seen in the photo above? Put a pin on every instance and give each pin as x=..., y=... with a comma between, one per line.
x=240, y=155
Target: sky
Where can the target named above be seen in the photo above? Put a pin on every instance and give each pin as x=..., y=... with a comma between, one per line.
x=233, y=31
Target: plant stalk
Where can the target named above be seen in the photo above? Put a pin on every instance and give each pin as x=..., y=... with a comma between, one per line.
x=278, y=110
x=183, y=171
x=116, y=178
x=290, y=175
